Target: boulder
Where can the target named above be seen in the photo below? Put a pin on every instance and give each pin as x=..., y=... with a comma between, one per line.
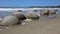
x=44, y=13
x=9, y=20
x=0, y=19
x=32, y=16
x=19, y=15
x=52, y=12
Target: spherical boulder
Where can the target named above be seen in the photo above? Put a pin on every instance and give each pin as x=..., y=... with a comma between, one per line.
x=9, y=20
x=44, y=13
x=32, y=16
x=19, y=15
x=52, y=12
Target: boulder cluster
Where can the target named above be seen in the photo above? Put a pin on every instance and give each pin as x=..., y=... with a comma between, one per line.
x=18, y=16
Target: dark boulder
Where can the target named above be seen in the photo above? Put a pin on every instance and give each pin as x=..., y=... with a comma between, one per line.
x=19, y=15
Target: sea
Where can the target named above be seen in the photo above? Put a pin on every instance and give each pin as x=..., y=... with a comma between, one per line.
x=6, y=13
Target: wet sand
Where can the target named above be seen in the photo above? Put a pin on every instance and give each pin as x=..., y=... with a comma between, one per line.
x=42, y=26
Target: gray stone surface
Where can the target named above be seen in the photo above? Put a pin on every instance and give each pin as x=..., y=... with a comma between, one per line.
x=9, y=20
x=32, y=16
x=19, y=15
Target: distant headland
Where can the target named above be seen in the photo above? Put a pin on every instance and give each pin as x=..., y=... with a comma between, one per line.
x=35, y=7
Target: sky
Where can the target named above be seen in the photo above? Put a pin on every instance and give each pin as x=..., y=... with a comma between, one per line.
x=26, y=3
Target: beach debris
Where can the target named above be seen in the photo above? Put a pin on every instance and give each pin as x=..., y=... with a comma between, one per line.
x=9, y=20
x=26, y=21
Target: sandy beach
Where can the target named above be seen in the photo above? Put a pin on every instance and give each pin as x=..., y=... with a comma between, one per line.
x=42, y=26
